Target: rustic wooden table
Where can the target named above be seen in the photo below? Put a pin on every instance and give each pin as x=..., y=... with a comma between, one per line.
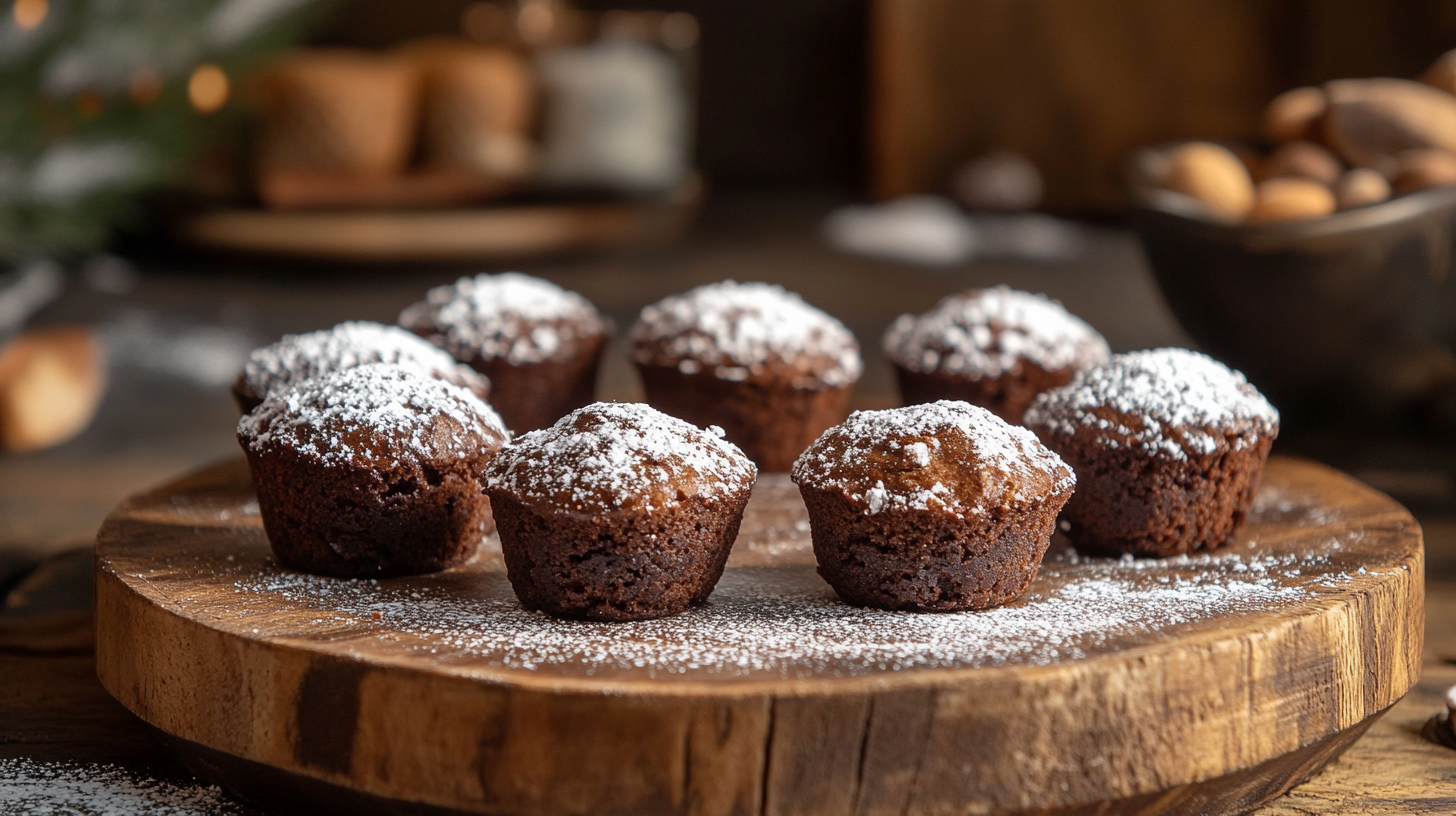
x=175, y=338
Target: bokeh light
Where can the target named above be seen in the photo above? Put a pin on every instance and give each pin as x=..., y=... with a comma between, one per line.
x=208, y=88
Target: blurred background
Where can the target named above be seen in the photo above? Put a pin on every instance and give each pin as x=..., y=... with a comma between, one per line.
x=184, y=180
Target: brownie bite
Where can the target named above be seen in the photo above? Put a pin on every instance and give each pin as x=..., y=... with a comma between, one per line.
x=618, y=512
x=372, y=471
x=996, y=348
x=939, y=507
x=538, y=343
x=769, y=369
x=1168, y=446
x=299, y=357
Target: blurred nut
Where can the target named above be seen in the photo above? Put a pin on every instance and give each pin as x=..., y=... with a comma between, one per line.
x=1370, y=120
x=1304, y=160
x=1290, y=199
x=1295, y=114
x=1423, y=169
x=51, y=383
x=1442, y=73
x=1360, y=187
x=1211, y=174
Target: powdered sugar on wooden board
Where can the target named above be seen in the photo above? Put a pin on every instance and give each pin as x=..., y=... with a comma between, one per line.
x=608, y=455
x=784, y=622
x=1168, y=401
x=299, y=357
x=771, y=616
x=511, y=316
x=989, y=332
x=1006, y=462
x=739, y=329
x=344, y=415
x=79, y=789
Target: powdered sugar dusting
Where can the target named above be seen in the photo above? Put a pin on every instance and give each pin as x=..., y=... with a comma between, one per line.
x=771, y=616
x=335, y=417
x=77, y=789
x=608, y=456
x=990, y=332
x=1007, y=462
x=300, y=357
x=743, y=329
x=1170, y=401
x=784, y=622
x=510, y=316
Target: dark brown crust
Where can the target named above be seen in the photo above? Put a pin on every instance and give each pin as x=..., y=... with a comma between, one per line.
x=928, y=560
x=354, y=521
x=770, y=421
x=1007, y=396
x=1130, y=501
x=532, y=396
x=622, y=567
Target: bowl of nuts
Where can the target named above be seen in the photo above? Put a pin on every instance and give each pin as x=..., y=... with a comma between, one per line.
x=1321, y=264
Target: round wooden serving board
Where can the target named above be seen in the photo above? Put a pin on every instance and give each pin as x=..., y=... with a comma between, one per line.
x=1203, y=684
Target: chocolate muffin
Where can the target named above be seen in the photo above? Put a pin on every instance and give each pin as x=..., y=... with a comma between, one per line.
x=299, y=357
x=1168, y=446
x=538, y=343
x=938, y=507
x=618, y=512
x=996, y=348
x=769, y=369
x=372, y=471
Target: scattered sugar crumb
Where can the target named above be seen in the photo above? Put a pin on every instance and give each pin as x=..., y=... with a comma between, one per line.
x=1168, y=401
x=1008, y=460
x=78, y=789
x=299, y=357
x=742, y=329
x=510, y=316
x=989, y=332
x=784, y=622
x=610, y=455
x=335, y=416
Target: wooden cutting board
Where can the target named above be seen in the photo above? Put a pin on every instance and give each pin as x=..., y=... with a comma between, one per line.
x=1203, y=684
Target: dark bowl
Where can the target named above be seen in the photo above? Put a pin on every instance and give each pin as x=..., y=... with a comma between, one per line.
x=1353, y=313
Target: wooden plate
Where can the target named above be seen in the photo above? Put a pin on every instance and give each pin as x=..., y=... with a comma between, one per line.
x=1203, y=684
x=445, y=235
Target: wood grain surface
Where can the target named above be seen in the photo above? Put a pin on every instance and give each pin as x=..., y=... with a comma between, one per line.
x=202, y=636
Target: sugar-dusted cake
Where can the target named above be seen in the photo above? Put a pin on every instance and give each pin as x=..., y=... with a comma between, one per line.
x=1168, y=446
x=538, y=343
x=618, y=512
x=997, y=348
x=372, y=471
x=299, y=357
x=751, y=358
x=933, y=508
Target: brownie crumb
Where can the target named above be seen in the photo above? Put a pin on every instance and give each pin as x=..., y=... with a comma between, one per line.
x=997, y=348
x=539, y=344
x=618, y=512
x=937, y=507
x=372, y=471
x=1168, y=446
x=769, y=369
